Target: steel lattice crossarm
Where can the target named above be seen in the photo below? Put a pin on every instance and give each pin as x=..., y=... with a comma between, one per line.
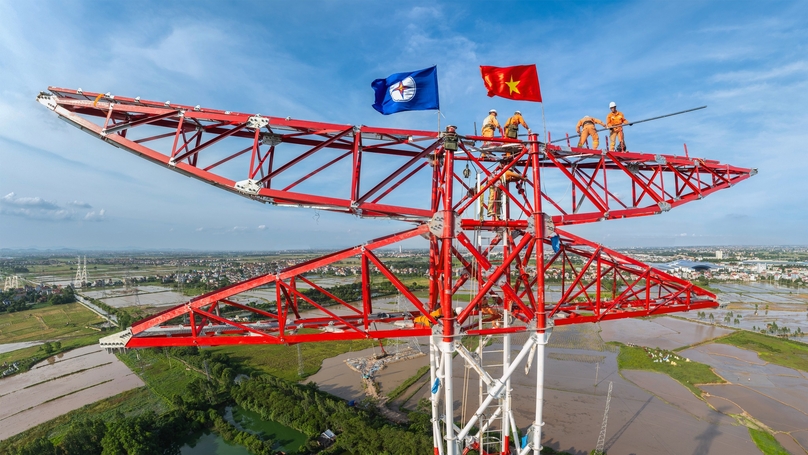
x=578, y=273
x=497, y=264
x=303, y=164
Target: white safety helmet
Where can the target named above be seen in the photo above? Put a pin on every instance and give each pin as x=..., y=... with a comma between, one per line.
x=612, y=104
x=517, y=112
x=492, y=111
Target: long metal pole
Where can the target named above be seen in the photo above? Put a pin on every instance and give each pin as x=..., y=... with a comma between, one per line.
x=566, y=138
x=448, y=320
x=434, y=352
x=541, y=316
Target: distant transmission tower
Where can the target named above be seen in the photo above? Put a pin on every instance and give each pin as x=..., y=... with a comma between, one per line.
x=81, y=273
x=300, y=371
x=11, y=282
x=602, y=436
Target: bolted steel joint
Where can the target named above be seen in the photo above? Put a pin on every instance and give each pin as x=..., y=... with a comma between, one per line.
x=257, y=122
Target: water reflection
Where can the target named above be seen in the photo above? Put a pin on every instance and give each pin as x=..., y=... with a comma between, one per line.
x=211, y=444
x=286, y=439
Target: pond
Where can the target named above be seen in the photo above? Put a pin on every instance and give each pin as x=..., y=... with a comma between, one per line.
x=211, y=444
x=286, y=439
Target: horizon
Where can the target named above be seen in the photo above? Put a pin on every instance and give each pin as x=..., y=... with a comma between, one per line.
x=60, y=188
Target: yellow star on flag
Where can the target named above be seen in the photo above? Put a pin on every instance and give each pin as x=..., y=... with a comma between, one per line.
x=512, y=86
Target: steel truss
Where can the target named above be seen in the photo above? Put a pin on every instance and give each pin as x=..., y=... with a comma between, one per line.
x=489, y=275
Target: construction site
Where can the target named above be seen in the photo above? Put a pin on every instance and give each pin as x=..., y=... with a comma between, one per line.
x=504, y=268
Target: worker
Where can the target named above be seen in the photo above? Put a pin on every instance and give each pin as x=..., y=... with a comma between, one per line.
x=424, y=321
x=490, y=125
x=615, y=122
x=512, y=125
x=495, y=192
x=586, y=128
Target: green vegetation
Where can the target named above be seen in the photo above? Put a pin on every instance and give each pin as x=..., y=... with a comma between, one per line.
x=787, y=353
x=66, y=325
x=766, y=442
x=360, y=430
x=180, y=400
x=49, y=323
x=688, y=373
x=131, y=403
x=281, y=360
x=21, y=300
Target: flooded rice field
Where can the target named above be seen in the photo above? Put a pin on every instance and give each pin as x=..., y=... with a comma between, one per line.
x=776, y=396
x=649, y=413
x=154, y=299
x=61, y=384
x=662, y=332
x=757, y=305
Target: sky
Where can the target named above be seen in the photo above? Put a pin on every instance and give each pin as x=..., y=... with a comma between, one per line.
x=61, y=188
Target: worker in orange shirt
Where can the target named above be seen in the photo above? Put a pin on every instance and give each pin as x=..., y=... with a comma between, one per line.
x=490, y=125
x=495, y=192
x=615, y=122
x=512, y=125
x=586, y=128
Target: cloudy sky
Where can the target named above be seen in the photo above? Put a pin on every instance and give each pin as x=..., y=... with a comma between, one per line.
x=59, y=187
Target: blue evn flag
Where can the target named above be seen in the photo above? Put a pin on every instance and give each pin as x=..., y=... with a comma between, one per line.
x=413, y=91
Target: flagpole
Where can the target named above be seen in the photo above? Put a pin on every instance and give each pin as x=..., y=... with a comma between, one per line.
x=438, y=120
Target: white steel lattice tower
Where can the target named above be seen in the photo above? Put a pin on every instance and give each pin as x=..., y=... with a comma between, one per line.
x=602, y=436
x=81, y=273
x=84, y=271
x=11, y=282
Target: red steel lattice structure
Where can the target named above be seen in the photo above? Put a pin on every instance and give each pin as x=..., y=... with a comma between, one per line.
x=422, y=178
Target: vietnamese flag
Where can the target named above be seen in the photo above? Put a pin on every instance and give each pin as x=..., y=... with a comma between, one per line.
x=512, y=82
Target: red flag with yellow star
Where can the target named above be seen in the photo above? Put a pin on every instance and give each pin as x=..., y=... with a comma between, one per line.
x=512, y=82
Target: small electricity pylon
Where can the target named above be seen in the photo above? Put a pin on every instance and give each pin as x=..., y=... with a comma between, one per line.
x=602, y=436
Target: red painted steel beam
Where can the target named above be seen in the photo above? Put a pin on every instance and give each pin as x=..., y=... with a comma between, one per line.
x=594, y=282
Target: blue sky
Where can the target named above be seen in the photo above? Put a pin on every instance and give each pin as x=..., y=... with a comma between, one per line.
x=747, y=61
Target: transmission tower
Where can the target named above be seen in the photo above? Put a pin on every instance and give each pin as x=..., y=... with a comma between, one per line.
x=11, y=282
x=422, y=179
x=81, y=274
x=602, y=435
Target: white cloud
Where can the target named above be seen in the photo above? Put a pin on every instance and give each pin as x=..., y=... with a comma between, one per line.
x=95, y=216
x=32, y=202
x=262, y=227
x=34, y=208
x=81, y=204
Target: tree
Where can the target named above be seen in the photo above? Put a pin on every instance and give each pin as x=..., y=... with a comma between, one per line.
x=41, y=446
x=84, y=437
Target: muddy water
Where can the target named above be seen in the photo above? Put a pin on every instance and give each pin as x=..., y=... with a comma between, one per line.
x=60, y=385
x=664, y=332
x=336, y=378
x=653, y=417
x=778, y=415
x=745, y=368
x=788, y=307
x=759, y=319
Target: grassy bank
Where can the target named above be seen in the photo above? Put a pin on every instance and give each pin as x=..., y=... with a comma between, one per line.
x=766, y=443
x=688, y=373
x=787, y=353
x=47, y=323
